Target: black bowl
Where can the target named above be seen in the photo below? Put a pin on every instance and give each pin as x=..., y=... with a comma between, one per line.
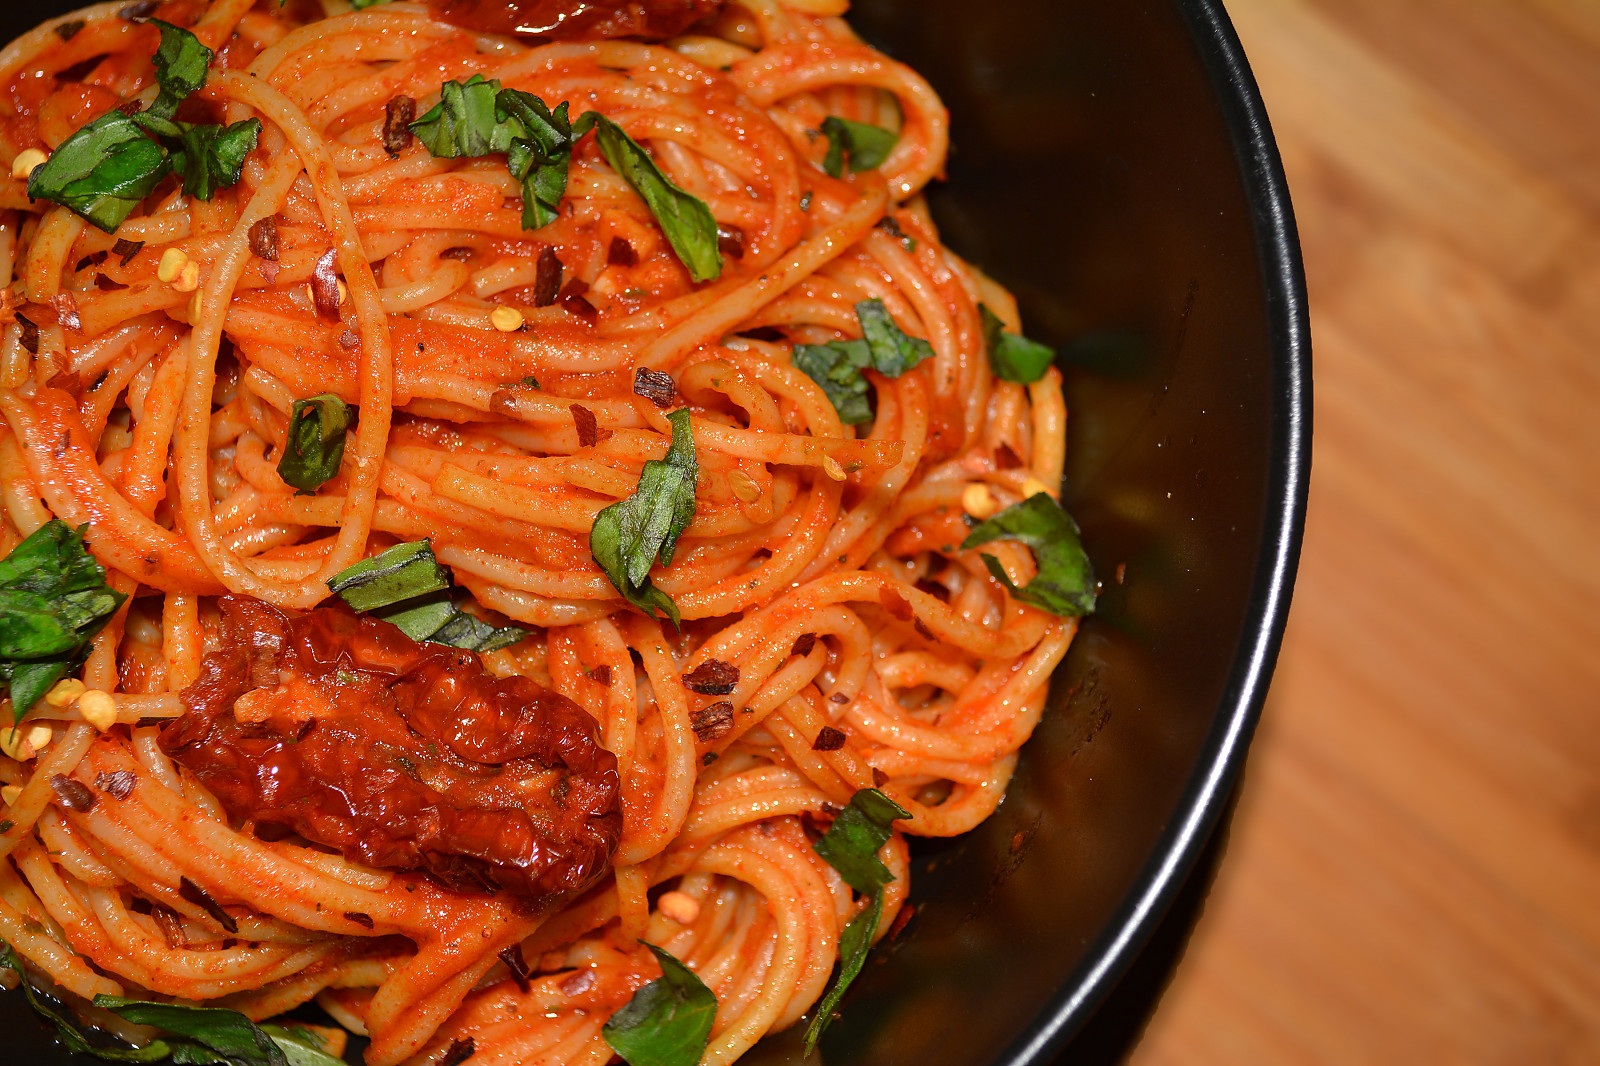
x=1113, y=165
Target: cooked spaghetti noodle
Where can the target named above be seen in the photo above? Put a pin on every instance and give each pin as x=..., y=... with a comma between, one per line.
x=822, y=562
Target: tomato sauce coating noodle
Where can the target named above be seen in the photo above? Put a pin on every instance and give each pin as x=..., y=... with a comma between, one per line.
x=835, y=637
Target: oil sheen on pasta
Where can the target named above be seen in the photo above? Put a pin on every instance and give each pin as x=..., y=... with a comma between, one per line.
x=822, y=563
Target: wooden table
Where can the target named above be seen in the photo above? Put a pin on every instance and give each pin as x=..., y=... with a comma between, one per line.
x=1414, y=870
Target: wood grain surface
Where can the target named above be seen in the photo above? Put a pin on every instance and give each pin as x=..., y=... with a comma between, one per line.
x=1413, y=874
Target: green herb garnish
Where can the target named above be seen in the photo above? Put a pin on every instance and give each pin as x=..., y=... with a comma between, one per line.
x=407, y=587
x=685, y=220
x=539, y=159
x=866, y=146
x=104, y=169
x=1012, y=356
x=852, y=842
x=53, y=600
x=837, y=365
x=632, y=535
x=315, y=445
x=478, y=117
x=667, y=1022
x=851, y=847
x=1065, y=584
x=198, y=1034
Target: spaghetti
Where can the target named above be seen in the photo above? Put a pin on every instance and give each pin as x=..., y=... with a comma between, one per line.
x=508, y=385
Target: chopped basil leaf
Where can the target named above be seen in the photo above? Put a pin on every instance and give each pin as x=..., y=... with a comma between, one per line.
x=53, y=600
x=851, y=847
x=362, y=5
x=1065, y=584
x=854, y=943
x=837, y=365
x=407, y=587
x=667, y=1022
x=631, y=535
x=478, y=117
x=852, y=842
x=1012, y=356
x=67, y=1032
x=211, y=157
x=893, y=351
x=463, y=124
x=685, y=220
x=867, y=146
x=102, y=171
x=301, y=1047
x=401, y=573
x=315, y=445
x=233, y=1036
x=181, y=65
x=540, y=156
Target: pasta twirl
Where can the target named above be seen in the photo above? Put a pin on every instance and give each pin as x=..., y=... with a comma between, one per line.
x=501, y=360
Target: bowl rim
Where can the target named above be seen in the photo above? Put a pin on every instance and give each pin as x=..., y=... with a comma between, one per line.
x=1210, y=787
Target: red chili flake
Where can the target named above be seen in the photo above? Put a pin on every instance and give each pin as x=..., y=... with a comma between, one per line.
x=67, y=311
x=349, y=339
x=601, y=674
x=67, y=381
x=828, y=739
x=105, y=284
x=363, y=920
x=30, y=335
x=922, y=630
x=839, y=697
x=655, y=386
x=588, y=431
x=74, y=795
x=91, y=260
x=879, y=778
x=193, y=893
x=621, y=253
x=117, y=785
x=68, y=30
x=264, y=238
x=138, y=10
x=730, y=240
x=458, y=1052
x=572, y=300
x=896, y=603
x=901, y=920
x=712, y=722
x=170, y=922
x=512, y=957
x=457, y=253
x=269, y=272
x=546, y=278
x=712, y=678
x=125, y=248
x=577, y=983
x=325, y=287
x=397, y=118
x=1006, y=458
x=803, y=645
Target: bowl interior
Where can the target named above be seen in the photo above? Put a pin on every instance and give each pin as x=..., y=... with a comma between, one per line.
x=1111, y=166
